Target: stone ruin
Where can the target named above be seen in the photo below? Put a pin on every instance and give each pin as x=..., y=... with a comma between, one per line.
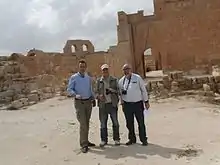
x=19, y=89
x=178, y=84
x=187, y=54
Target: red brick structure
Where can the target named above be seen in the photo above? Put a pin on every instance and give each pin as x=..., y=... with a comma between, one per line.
x=183, y=35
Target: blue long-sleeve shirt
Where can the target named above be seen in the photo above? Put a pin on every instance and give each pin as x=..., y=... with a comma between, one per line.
x=80, y=85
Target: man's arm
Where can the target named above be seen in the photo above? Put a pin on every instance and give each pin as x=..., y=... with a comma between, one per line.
x=97, y=89
x=92, y=88
x=119, y=91
x=71, y=86
x=143, y=90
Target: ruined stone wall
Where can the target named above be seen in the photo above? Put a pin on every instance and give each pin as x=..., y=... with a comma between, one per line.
x=25, y=80
x=118, y=56
x=95, y=61
x=180, y=35
x=192, y=42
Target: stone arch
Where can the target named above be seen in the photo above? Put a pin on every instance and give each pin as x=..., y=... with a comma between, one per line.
x=148, y=52
x=15, y=56
x=84, y=47
x=148, y=60
x=73, y=48
x=81, y=46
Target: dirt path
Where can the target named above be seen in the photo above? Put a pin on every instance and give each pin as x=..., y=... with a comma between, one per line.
x=47, y=134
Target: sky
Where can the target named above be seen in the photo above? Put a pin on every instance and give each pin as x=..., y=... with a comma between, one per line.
x=47, y=24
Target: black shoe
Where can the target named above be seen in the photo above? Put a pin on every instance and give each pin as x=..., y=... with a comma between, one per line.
x=145, y=143
x=130, y=142
x=84, y=149
x=91, y=144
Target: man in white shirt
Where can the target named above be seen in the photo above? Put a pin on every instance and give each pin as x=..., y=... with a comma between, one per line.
x=133, y=98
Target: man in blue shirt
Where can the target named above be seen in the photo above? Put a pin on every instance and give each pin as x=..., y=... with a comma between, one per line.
x=80, y=88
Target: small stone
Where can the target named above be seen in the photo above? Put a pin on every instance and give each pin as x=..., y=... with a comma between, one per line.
x=206, y=88
x=33, y=97
x=16, y=105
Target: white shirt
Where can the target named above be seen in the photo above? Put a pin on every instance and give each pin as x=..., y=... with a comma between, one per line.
x=136, y=90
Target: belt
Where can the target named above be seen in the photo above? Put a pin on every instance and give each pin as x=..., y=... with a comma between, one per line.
x=82, y=99
x=132, y=102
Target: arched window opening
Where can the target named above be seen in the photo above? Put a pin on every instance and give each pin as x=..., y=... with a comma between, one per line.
x=148, y=52
x=148, y=61
x=84, y=48
x=73, y=48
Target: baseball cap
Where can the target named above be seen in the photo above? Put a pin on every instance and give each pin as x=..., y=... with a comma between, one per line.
x=104, y=66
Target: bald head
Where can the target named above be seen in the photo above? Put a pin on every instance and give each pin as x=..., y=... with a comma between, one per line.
x=126, y=66
x=126, y=69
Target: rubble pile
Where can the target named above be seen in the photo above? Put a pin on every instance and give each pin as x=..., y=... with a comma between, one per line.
x=18, y=90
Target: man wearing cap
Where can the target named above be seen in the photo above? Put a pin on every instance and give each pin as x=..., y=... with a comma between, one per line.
x=108, y=97
x=133, y=98
x=80, y=88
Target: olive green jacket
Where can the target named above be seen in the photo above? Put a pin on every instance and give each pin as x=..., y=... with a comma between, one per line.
x=99, y=90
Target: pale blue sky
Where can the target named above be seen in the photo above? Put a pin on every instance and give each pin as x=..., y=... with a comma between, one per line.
x=47, y=24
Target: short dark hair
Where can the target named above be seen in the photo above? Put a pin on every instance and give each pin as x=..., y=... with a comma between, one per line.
x=82, y=62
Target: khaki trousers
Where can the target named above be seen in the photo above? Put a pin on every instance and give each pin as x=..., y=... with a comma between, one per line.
x=83, y=114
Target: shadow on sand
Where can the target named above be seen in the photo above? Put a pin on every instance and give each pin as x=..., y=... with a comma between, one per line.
x=136, y=151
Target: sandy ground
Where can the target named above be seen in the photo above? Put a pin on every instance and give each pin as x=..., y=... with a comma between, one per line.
x=47, y=134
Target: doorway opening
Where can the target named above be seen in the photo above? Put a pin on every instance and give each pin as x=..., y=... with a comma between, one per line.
x=148, y=63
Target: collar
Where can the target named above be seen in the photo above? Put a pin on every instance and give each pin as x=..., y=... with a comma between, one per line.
x=85, y=74
x=126, y=77
x=102, y=78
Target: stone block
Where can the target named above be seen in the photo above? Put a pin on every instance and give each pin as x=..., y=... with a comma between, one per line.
x=32, y=86
x=47, y=90
x=20, y=96
x=202, y=80
x=17, y=87
x=211, y=79
x=217, y=79
x=2, y=72
x=33, y=97
x=147, y=85
x=166, y=82
x=34, y=92
x=177, y=75
x=24, y=101
x=175, y=86
x=195, y=84
x=215, y=70
x=16, y=104
x=8, y=93
x=206, y=88
x=46, y=96
x=188, y=83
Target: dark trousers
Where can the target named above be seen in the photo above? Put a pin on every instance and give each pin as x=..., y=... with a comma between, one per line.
x=104, y=112
x=136, y=110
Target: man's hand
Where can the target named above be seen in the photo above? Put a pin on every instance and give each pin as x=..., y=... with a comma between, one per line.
x=78, y=97
x=93, y=103
x=121, y=101
x=101, y=97
x=112, y=90
x=147, y=105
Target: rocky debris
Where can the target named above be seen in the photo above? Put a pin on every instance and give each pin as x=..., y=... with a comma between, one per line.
x=216, y=70
x=16, y=86
x=18, y=104
x=190, y=151
x=206, y=88
x=175, y=86
x=176, y=75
